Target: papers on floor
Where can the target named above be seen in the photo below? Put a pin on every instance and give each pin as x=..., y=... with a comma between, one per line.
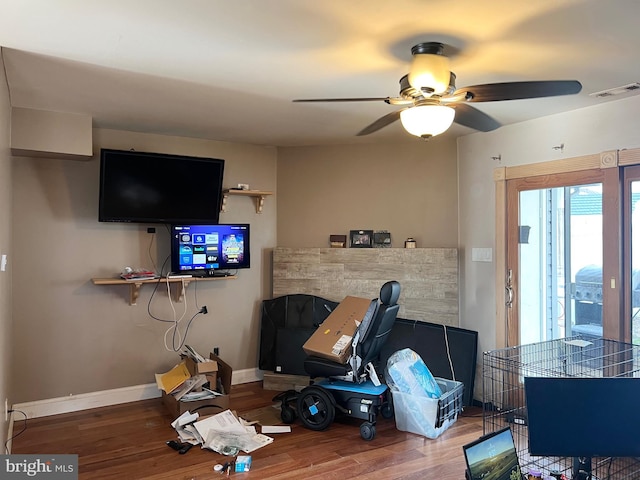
x=203, y=395
x=191, y=383
x=222, y=433
x=187, y=433
x=276, y=429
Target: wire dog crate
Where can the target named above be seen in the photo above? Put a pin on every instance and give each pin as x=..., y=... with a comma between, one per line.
x=503, y=373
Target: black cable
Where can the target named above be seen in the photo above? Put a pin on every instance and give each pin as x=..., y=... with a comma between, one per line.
x=206, y=406
x=186, y=332
x=153, y=236
x=24, y=427
x=175, y=327
x=155, y=289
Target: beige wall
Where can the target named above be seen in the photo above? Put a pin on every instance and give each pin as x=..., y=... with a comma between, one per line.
x=5, y=248
x=74, y=337
x=409, y=189
x=608, y=126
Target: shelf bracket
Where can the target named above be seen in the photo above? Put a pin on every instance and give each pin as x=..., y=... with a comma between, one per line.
x=259, y=203
x=223, y=207
x=134, y=292
x=181, y=290
x=258, y=195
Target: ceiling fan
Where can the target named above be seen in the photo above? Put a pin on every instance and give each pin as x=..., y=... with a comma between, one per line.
x=431, y=102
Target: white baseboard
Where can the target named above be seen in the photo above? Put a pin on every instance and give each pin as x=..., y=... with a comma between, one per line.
x=247, y=375
x=104, y=398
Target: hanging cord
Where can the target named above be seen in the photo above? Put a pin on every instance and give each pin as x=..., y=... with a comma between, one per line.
x=6, y=78
x=446, y=341
x=176, y=321
x=24, y=427
x=153, y=263
x=177, y=339
x=155, y=288
x=176, y=333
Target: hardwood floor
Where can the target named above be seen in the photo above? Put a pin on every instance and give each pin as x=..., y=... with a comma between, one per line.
x=128, y=442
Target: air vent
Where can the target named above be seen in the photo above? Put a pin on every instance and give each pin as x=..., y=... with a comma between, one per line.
x=632, y=87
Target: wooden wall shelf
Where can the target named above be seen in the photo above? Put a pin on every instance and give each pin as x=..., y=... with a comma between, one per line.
x=259, y=196
x=135, y=285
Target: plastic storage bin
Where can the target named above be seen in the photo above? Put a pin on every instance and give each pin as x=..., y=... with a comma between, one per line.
x=429, y=416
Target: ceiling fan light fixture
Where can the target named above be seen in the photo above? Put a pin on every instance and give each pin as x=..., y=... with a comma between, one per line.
x=429, y=71
x=427, y=120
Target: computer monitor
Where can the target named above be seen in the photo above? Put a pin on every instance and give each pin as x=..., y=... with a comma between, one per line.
x=492, y=457
x=583, y=417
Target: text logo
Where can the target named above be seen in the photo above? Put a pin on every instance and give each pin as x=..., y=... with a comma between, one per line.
x=50, y=467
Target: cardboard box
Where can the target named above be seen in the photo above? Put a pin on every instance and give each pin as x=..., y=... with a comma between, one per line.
x=208, y=369
x=332, y=340
x=201, y=367
x=222, y=385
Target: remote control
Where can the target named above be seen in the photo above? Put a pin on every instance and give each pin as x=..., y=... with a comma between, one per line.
x=185, y=448
x=175, y=445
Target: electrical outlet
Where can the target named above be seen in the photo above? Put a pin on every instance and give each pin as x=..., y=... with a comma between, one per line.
x=6, y=409
x=216, y=351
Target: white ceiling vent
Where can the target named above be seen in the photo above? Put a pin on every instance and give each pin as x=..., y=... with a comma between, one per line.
x=632, y=87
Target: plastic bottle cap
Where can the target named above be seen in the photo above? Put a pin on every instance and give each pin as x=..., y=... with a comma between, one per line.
x=217, y=467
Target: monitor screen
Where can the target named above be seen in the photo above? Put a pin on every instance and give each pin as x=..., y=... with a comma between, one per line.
x=205, y=249
x=159, y=188
x=493, y=457
x=583, y=417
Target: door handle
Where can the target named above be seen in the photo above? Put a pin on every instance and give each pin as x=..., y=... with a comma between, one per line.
x=509, y=290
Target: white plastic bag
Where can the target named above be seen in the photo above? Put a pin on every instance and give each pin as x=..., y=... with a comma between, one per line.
x=407, y=373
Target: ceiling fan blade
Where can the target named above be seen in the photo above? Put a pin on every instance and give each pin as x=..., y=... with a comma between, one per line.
x=469, y=116
x=495, y=92
x=365, y=99
x=389, y=100
x=382, y=122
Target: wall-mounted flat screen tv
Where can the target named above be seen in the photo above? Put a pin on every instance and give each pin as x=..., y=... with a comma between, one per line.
x=159, y=188
x=209, y=250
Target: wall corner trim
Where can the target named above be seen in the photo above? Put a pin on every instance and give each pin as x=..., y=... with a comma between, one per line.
x=609, y=159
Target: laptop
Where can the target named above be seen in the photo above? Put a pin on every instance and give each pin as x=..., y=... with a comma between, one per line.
x=492, y=457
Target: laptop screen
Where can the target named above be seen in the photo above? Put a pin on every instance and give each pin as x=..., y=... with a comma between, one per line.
x=493, y=457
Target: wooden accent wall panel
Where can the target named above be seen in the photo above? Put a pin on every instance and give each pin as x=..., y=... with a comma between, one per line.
x=428, y=277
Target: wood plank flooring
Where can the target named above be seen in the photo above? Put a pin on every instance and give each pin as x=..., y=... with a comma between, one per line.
x=128, y=442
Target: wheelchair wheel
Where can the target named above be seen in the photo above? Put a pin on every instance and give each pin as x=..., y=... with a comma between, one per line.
x=287, y=414
x=367, y=431
x=315, y=408
x=386, y=410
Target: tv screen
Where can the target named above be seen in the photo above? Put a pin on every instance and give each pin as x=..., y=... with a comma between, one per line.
x=583, y=416
x=159, y=188
x=209, y=250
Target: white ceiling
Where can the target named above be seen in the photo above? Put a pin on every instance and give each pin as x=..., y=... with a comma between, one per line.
x=228, y=70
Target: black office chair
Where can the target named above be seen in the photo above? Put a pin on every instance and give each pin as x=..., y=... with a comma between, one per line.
x=352, y=388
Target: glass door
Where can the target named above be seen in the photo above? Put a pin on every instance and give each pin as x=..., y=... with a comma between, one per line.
x=560, y=266
x=632, y=252
x=555, y=257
